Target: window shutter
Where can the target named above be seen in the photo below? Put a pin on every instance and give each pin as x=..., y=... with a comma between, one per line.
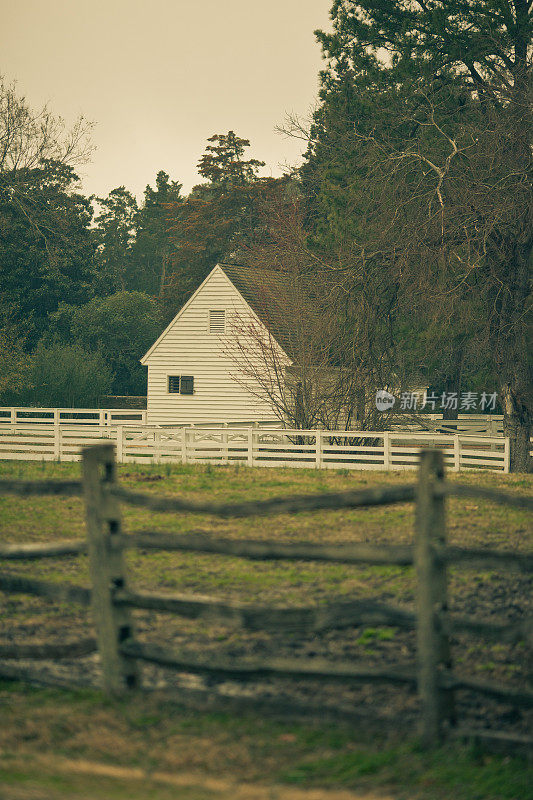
x=217, y=321
x=187, y=384
x=173, y=384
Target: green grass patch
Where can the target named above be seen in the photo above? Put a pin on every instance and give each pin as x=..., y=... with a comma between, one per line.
x=149, y=734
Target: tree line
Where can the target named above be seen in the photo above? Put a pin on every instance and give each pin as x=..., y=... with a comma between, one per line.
x=404, y=237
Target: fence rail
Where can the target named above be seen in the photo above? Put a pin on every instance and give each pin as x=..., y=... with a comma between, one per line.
x=254, y=447
x=50, y=650
x=112, y=600
x=23, y=415
x=16, y=415
x=489, y=424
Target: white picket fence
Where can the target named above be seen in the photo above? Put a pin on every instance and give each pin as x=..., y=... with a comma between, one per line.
x=254, y=447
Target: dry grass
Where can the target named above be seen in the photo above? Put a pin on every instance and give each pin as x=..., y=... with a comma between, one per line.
x=150, y=734
x=57, y=745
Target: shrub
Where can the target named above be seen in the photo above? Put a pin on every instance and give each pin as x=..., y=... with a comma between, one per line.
x=67, y=376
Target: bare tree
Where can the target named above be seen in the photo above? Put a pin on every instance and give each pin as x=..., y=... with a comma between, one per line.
x=29, y=138
x=32, y=141
x=324, y=339
x=284, y=358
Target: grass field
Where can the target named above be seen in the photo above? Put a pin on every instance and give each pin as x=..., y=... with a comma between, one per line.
x=59, y=732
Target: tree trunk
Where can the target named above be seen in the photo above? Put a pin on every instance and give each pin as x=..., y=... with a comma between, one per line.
x=452, y=385
x=512, y=359
x=360, y=399
x=517, y=425
x=163, y=274
x=453, y=380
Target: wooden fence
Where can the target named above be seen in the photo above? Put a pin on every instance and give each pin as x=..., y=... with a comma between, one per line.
x=22, y=415
x=473, y=424
x=254, y=447
x=112, y=598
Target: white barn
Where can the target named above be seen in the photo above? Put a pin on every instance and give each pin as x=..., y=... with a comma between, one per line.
x=192, y=375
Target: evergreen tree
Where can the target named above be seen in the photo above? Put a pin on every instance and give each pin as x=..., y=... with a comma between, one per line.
x=47, y=255
x=216, y=220
x=223, y=166
x=115, y=229
x=151, y=250
x=46, y=245
x=419, y=171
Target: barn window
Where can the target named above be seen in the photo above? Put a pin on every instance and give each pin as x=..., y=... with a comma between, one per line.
x=173, y=384
x=180, y=384
x=187, y=384
x=217, y=321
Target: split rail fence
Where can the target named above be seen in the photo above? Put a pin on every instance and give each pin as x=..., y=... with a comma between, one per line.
x=254, y=447
x=112, y=599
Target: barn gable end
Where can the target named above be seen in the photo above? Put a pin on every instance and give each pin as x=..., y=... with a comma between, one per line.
x=195, y=346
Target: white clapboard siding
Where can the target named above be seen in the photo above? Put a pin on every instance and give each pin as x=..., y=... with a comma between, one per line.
x=188, y=348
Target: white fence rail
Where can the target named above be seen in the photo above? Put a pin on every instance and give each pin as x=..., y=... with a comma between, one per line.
x=489, y=424
x=11, y=415
x=254, y=447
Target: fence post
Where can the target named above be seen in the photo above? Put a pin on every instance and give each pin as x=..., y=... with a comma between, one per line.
x=456, y=453
x=120, y=444
x=191, y=456
x=432, y=644
x=224, y=442
x=107, y=569
x=250, y=453
x=386, y=450
x=57, y=436
x=184, y=445
x=506, y=454
x=318, y=440
x=157, y=447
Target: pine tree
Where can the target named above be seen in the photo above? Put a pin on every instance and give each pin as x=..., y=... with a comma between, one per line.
x=152, y=247
x=115, y=228
x=215, y=221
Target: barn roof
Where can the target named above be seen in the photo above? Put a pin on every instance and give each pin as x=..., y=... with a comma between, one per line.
x=282, y=304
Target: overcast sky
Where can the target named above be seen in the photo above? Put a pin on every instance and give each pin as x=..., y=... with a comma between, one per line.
x=158, y=77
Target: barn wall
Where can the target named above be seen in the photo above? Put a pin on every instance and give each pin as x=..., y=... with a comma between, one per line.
x=188, y=348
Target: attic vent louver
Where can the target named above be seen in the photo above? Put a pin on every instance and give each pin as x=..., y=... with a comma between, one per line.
x=217, y=321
